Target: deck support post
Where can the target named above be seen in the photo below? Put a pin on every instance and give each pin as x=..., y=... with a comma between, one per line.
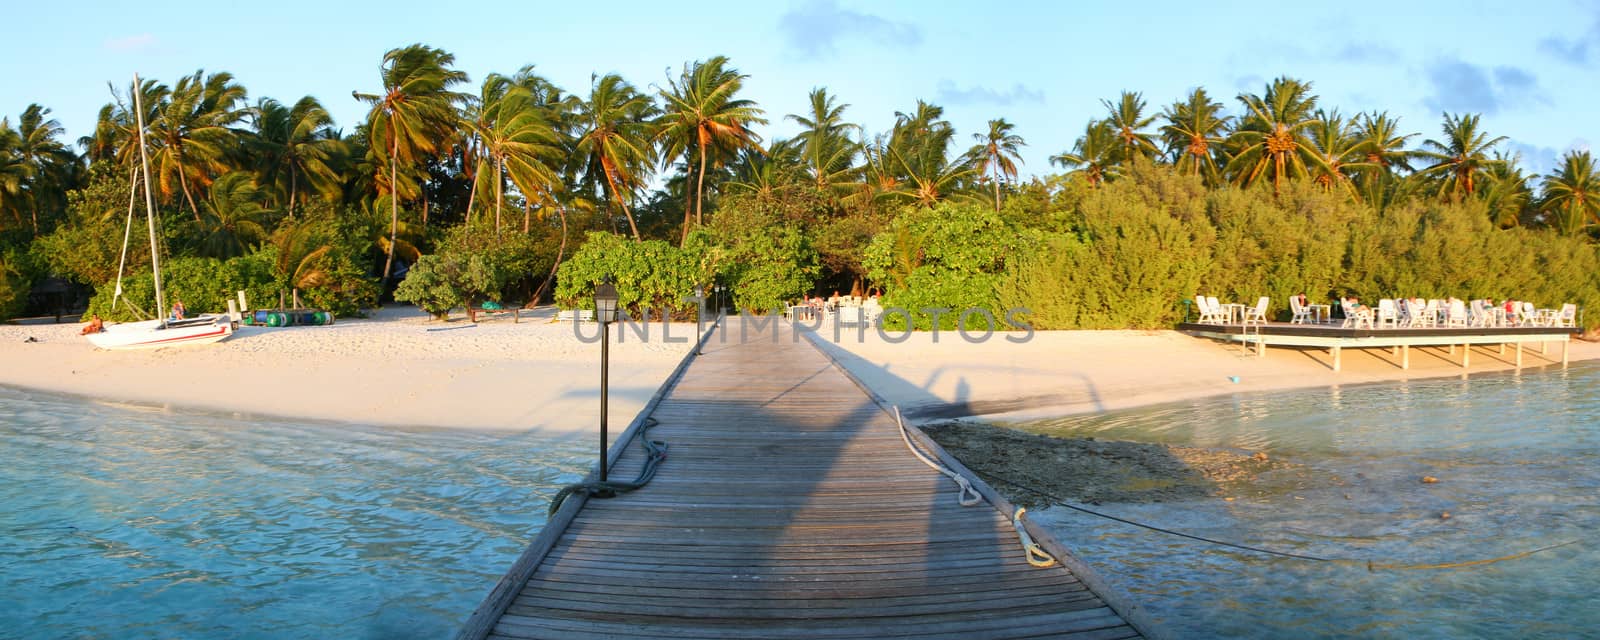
x=1519, y=355
x=1564, y=346
x=1466, y=355
x=1544, y=347
x=1452, y=349
x=1502, y=348
x=1261, y=347
x=1336, y=359
x=1405, y=357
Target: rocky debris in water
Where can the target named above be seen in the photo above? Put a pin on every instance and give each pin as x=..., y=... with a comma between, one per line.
x=1096, y=471
x=1444, y=516
x=1260, y=456
x=1429, y=479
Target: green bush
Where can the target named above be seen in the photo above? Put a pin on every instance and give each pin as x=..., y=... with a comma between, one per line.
x=947, y=257
x=203, y=284
x=1127, y=254
x=766, y=261
x=650, y=274
x=472, y=264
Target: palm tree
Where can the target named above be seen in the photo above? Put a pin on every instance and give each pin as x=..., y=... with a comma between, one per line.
x=50, y=164
x=1094, y=155
x=1572, y=194
x=825, y=145
x=1272, y=136
x=14, y=172
x=928, y=179
x=412, y=118
x=233, y=221
x=1126, y=118
x=191, y=135
x=512, y=133
x=705, y=118
x=764, y=173
x=614, y=140
x=996, y=153
x=295, y=144
x=1340, y=153
x=1193, y=134
x=1507, y=193
x=1462, y=159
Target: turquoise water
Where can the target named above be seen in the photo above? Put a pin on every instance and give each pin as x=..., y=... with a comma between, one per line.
x=1517, y=456
x=118, y=521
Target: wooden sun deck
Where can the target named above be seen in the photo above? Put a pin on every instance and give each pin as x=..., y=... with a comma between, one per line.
x=1399, y=339
x=788, y=507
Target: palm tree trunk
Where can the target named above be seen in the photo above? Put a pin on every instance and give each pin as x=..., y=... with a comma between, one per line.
x=612, y=182
x=184, y=184
x=293, y=185
x=394, y=206
x=561, y=251
x=997, y=189
x=700, y=191
x=499, y=190
x=527, y=214
x=472, y=196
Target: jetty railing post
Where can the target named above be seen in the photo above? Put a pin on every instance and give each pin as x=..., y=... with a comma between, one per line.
x=605, y=310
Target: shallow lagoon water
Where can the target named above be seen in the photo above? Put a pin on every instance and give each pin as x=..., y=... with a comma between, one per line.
x=126, y=521
x=1517, y=456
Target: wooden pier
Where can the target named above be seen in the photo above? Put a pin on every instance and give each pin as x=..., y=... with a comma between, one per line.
x=1399, y=340
x=788, y=507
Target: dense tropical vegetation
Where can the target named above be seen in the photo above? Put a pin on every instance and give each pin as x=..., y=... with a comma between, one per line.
x=515, y=190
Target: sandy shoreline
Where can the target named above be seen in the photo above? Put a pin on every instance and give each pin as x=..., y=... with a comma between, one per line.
x=401, y=369
x=397, y=368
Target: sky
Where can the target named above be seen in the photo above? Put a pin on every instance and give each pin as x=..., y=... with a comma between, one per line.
x=1532, y=69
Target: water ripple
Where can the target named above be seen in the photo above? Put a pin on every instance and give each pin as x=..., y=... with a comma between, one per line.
x=120, y=521
x=1517, y=457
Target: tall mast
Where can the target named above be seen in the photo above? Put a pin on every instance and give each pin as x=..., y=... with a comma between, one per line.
x=149, y=202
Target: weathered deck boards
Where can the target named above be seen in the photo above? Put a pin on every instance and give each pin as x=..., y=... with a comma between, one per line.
x=788, y=507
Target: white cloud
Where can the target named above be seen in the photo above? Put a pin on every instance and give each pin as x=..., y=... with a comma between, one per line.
x=131, y=44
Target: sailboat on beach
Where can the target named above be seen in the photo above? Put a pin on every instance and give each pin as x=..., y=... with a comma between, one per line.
x=161, y=332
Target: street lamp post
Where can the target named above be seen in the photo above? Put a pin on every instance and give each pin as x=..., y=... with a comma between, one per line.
x=700, y=303
x=605, y=312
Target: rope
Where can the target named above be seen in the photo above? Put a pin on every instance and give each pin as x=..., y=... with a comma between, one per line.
x=968, y=496
x=127, y=234
x=1369, y=564
x=1037, y=556
x=655, y=453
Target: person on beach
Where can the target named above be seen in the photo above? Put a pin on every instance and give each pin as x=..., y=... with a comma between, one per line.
x=95, y=325
x=178, y=310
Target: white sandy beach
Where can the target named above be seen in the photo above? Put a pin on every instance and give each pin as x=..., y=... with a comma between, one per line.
x=401, y=369
x=397, y=368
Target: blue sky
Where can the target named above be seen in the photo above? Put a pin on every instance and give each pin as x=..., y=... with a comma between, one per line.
x=1529, y=67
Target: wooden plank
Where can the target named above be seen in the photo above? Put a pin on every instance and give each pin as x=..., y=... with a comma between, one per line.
x=789, y=507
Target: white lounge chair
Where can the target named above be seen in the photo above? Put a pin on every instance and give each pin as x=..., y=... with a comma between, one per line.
x=1258, y=313
x=1302, y=313
x=1387, y=314
x=1455, y=315
x=1354, y=317
x=1222, y=315
x=1568, y=316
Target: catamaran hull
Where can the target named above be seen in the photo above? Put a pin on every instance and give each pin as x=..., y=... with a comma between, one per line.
x=150, y=335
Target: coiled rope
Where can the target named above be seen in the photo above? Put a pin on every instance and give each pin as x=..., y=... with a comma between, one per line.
x=969, y=496
x=655, y=453
x=1369, y=564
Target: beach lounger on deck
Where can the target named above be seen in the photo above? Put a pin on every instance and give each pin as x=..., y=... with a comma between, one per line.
x=1258, y=313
